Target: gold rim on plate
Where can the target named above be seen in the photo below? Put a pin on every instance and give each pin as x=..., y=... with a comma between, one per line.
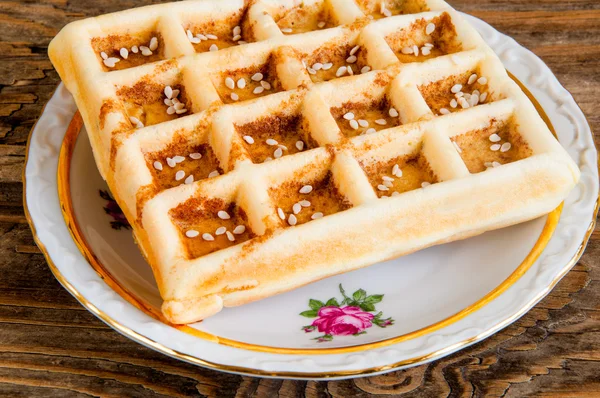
x=66, y=207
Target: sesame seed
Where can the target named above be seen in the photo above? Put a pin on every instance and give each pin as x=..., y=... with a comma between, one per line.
x=495, y=137
x=229, y=83
x=306, y=189
x=416, y=50
x=124, y=53
x=341, y=71
x=278, y=153
x=321, y=25
x=425, y=50
x=429, y=45
x=135, y=49
x=496, y=164
x=464, y=103
x=234, y=97
x=425, y=184
x=349, y=70
x=429, y=28
x=444, y=111
x=387, y=13
x=474, y=100
x=158, y=165
x=257, y=77
x=304, y=203
x=407, y=50
x=370, y=131
x=382, y=187
x=178, y=159
x=327, y=66
x=134, y=120
x=175, y=94
x=267, y=159
x=195, y=155
x=241, y=83
x=207, y=237
x=505, y=147
x=191, y=233
x=280, y=213
x=393, y=112
x=189, y=179
x=388, y=184
x=220, y=231
x=168, y=92
x=457, y=147
x=483, y=97
x=111, y=62
x=397, y=171
x=386, y=178
x=213, y=47
x=354, y=50
x=311, y=71
x=201, y=36
x=495, y=147
x=317, y=66
x=230, y=236
x=181, y=111
x=296, y=208
x=472, y=78
x=292, y=220
x=211, y=37
x=237, y=30
x=103, y=55
x=482, y=80
x=348, y=116
x=354, y=124
x=145, y=51
x=456, y=88
x=453, y=103
x=168, y=102
x=213, y=173
x=365, y=69
x=271, y=141
x=170, y=110
x=153, y=44
x=258, y=90
x=195, y=40
x=179, y=106
x=299, y=145
x=171, y=162
x=265, y=84
x=249, y=139
x=395, y=193
x=223, y=215
x=286, y=30
x=459, y=95
x=351, y=59
x=316, y=215
x=240, y=229
x=179, y=175
x=363, y=123
x=381, y=122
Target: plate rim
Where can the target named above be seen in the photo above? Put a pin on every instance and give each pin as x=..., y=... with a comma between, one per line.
x=251, y=371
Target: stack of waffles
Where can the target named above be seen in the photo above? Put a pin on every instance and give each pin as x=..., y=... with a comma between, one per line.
x=259, y=146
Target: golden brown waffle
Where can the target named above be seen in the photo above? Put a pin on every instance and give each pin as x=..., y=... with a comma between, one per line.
x=256, y=147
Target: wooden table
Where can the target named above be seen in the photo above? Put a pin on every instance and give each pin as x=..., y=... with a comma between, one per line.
x=51, y=346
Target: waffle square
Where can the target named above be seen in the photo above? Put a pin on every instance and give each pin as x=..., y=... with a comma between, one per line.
x=256, y=146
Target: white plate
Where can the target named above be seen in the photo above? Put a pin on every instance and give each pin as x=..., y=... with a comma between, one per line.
x=440, y=299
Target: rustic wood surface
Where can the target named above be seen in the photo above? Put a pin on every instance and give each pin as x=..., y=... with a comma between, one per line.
x=51, y=346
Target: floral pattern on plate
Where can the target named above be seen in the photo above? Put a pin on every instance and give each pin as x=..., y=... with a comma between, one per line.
x=352, y=316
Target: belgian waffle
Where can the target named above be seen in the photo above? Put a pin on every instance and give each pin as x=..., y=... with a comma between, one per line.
x=259, y=146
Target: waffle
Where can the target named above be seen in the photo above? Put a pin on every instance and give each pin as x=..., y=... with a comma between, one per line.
x=259, y=146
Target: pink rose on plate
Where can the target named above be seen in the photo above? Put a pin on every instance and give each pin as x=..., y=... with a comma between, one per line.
x=342, y=321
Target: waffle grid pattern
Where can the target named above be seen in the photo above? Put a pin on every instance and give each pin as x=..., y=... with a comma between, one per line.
x=347, y=134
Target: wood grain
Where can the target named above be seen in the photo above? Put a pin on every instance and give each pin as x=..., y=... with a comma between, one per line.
x=50, y=346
